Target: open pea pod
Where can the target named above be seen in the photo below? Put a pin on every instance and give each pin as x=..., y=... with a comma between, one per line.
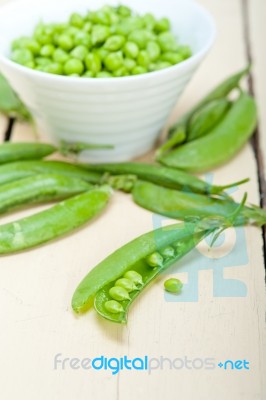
x=133, y=266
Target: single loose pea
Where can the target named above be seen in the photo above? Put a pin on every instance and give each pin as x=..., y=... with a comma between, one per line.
x=79, y=52
x=153, y=50
x=99, y=34
x=104, y=74
x=47, y=50
x=119, y=293
x=129, y=64
x=143, y=59
x=131, y=50
x=134, y=276
x=155, y=260
x=126, y=284
x=22, y=56
x=114, y=43
x=65, y=42
x=113, y=306
x=76, y=20
x=172, y=57
x=168, y=252
x=167, y=42
x=113, y=61
x=162, y=25
x=73, y=66
x=93, y=63
x=53, y=68
x=138, y=70
x=82, y=38
x=60, y=56
x=173, y=285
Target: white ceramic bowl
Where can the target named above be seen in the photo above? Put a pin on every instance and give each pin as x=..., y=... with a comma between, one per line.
x=127, y=112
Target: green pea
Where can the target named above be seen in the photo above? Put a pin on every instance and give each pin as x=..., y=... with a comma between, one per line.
x=141, y=37
x=65, y=42
x=87, y=27
x=76, y=20
x=93, y=63
x=43, y=38
x=131, y=50
x=72, y=31
x=149, y=21
x=120, y=72
x=134, y=276
x=167, y=42
x=126, y=284
x=60, y=56
x=119, y=293
x=22, y=56
x=113, y=306
x=129, y=64
x=42, y=61
x=53, y=68
x=184, y=51
x=82, y=38
x=162, y=25
x=88, y=74
x=47, y=50
x=162, y=65
x=79, y=52
x=73, y=66
x=155, y=260
x=143, y=59
x=28, y=43
x=168, y=252
x=114, y=43
x=113, y=61
x=138, y=70
x=171, y=57
x=99, y=34
x=173, y=285
x=30, y=64
x=102, y=17
x=104, y=74
x=153, y=50
x=102, y=53
x=124, y=11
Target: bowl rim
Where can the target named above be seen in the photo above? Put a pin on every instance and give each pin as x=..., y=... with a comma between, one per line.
x=194, y=59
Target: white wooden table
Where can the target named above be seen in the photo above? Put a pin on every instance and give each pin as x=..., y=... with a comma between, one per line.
x=36, y=286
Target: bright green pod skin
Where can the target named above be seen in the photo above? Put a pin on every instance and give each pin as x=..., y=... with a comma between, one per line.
x=221, y=144
x=132, y=257
x=180, y=205
x=22, y=169
x=39, y=189
x=24, y=151
x=53, y=223
x=164, y=176
x=10, y=104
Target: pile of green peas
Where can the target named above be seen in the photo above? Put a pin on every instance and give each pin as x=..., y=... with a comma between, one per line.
x=132, y=280
x=109, y=42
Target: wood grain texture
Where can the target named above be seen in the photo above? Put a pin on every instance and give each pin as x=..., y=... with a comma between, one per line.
x=36, y=289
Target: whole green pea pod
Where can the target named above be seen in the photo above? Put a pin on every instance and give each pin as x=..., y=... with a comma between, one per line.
x=22, y=169
x=50, y=224
x=39, y=189
x=131, y=269
x=10, y=104
x=204, y=120
x=179, y=205
x=164, y=176
x=221, y=144
x=24, y=151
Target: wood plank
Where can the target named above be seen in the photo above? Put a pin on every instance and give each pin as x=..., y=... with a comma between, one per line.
x=36, y=288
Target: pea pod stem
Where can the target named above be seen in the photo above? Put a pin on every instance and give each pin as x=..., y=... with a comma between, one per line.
x=164, y=176
x=50, y=224
x=179, y=205
x=39, y=189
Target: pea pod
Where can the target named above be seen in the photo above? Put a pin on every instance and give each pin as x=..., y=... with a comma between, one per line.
x=132, y=257
x=50, y=224
x=39, y=189
x=221, y=144
x=21, y=169
x=10, y=104
x=24, y=151
x=164, y=176
x=179, y=205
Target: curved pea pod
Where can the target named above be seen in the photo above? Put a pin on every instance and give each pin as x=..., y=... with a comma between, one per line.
x=203, y=121
x=10, y=104
x=221, y=144
x=24, y=151
x=21, y=169
x=179, y=205
x=164, y=176
x=50, y=224
x=134, y=256
x=39, y=189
